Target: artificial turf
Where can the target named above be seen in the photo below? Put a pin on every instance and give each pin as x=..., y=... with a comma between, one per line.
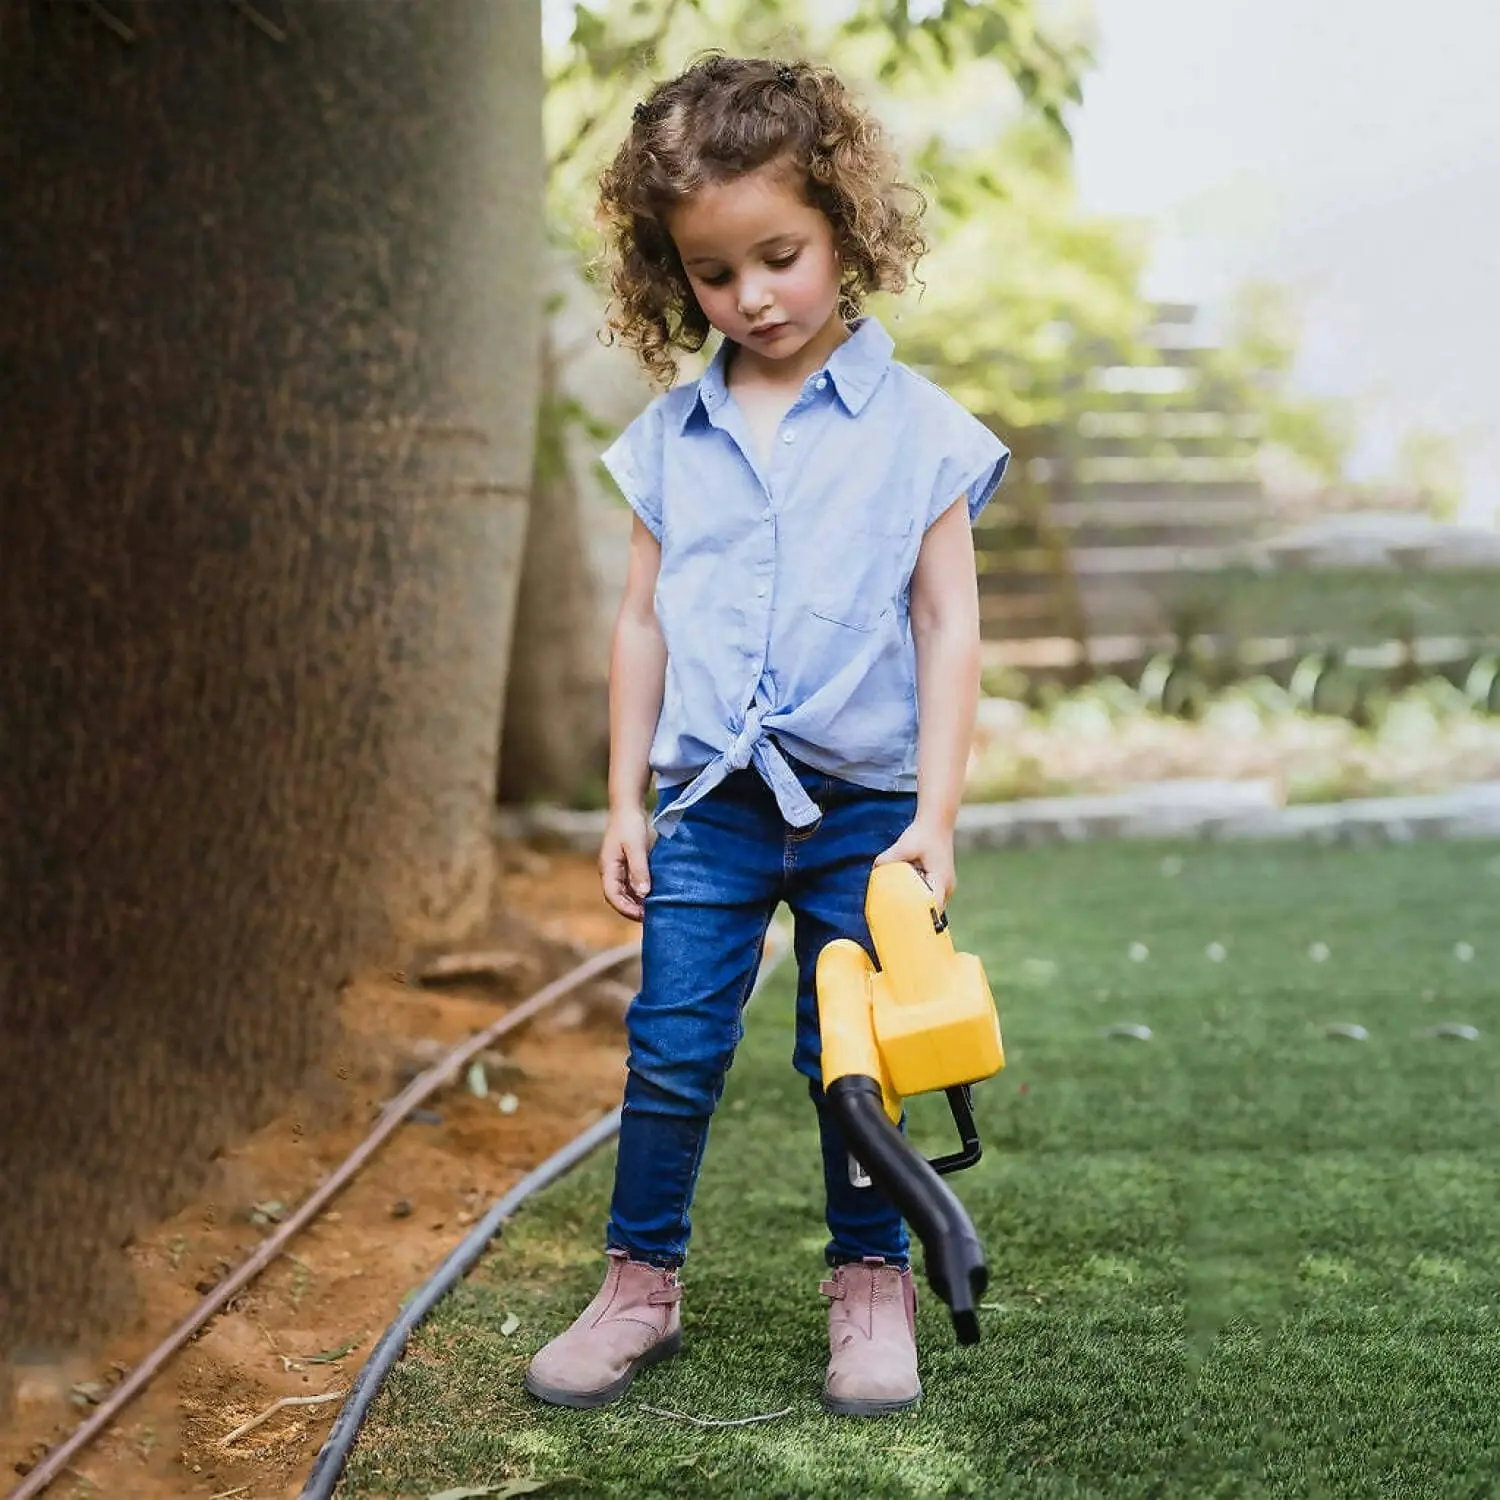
x=1243, y=1257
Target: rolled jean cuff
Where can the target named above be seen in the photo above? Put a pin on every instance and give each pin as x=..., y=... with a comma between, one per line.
x=844, y=1258
x=659, y=1259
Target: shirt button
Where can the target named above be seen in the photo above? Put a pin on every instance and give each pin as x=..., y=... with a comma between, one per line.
x=788, y=436
x=822, y=381
x=765, y=515
x=760, y=593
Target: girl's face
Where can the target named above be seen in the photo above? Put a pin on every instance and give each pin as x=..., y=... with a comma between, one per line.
x=763, y=265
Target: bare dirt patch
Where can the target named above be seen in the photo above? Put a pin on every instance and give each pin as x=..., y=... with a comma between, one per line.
x=306, y=1325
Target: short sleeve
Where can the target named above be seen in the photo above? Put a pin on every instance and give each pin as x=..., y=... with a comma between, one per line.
x=634, y=462
x=972, y=461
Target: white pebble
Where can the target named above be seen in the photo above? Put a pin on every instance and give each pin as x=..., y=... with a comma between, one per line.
x=1463, y=952
x=1139, y=953
x=507, y=1104
x=1318, y=953
x=1351, y=1033
x=1216, y=953
x=1457, y=1029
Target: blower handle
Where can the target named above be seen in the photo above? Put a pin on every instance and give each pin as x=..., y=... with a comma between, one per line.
x=961, y=1103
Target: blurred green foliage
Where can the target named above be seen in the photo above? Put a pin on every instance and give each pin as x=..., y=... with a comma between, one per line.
x=1023, y=291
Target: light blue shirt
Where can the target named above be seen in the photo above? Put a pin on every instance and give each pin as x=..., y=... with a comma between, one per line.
x=784, y=585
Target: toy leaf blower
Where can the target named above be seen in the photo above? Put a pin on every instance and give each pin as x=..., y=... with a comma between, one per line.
x=924, y=1020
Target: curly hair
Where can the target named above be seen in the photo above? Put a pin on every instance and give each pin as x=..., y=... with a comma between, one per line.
x=722, y=117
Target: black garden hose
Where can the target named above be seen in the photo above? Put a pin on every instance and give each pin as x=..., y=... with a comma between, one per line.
x=391, y=1118
x=334, y=1453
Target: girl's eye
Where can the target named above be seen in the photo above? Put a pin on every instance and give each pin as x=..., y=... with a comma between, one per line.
x=777, y=263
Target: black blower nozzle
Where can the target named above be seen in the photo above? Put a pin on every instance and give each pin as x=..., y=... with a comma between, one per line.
x=953, y=1256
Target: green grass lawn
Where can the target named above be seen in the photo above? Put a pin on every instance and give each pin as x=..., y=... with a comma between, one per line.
x=1240, y=1258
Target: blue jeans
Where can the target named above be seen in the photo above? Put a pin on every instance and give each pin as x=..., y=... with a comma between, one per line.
x=714, y=886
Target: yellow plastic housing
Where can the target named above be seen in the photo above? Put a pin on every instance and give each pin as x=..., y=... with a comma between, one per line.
x=935, y=1021
x=846, y=1019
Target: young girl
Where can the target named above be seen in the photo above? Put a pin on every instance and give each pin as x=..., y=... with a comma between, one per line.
x=800, y=596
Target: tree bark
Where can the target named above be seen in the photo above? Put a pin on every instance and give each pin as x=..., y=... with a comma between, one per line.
x=556, y=742
x=269, y=332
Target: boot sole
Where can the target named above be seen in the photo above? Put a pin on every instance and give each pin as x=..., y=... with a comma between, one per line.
x=853, y=1407
x=588, y=1400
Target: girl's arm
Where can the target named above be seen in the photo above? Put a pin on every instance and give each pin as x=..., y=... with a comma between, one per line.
x=945, y=630
x=637, y=675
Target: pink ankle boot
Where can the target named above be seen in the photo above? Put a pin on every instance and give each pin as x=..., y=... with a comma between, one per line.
x=633, y=1321
x=872, y=1343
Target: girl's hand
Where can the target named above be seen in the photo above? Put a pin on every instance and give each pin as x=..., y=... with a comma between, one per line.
x=930, y=849
x=622, y=862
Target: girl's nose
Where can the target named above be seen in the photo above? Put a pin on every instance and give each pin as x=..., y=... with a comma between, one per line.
x=753, y=302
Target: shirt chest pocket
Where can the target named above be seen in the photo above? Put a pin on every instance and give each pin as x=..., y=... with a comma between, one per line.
x=857, y=572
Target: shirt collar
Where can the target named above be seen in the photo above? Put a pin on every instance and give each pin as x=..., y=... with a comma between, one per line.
x=855, y=367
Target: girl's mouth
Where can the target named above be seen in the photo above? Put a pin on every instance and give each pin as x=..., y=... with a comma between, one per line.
x=768, y=330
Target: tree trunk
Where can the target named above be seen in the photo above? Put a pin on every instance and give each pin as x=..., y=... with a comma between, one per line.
x=269, y=329
x=556, y=743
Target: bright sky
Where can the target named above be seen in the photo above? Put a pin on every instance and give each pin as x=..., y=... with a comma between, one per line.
x=1348, y=148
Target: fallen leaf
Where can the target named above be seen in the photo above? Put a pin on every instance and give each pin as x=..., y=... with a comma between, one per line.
x=510, y=1325
x=481, y=965
x=479, y=1084
x=330, y=1356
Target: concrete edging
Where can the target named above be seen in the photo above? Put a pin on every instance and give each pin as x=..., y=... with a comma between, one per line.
x=1216, y=810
